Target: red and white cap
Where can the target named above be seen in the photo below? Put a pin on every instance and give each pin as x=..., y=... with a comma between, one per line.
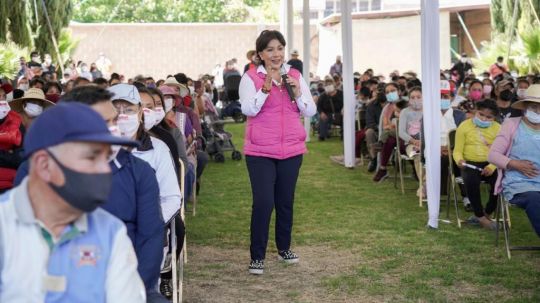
x=445, y=87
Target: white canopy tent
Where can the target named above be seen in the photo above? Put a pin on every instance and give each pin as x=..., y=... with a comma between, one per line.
x=430, y=87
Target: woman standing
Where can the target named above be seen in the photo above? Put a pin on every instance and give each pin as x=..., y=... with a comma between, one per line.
x=274, y=144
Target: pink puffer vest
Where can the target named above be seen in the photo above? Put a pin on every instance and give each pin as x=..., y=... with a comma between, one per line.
x=276, y=131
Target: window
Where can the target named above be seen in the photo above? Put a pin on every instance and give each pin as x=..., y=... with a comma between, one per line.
x=376, y=5
x=363, y=6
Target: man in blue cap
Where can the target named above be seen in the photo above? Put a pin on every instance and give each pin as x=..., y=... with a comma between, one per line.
x=56, y=245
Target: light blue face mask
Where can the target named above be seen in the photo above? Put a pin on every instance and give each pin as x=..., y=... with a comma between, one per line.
x=445, y=104
x=392, y=97
x=533, y=117
x=481, y=124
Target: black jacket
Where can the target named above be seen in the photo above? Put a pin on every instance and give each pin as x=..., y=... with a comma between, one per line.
x=373, y=115
x=324, y=105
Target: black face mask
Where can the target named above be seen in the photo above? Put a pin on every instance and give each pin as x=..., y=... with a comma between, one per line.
x=81, y=190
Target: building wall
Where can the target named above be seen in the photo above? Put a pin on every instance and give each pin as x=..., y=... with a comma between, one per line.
x=478, y=23
x=162, y=49
x=383, y=44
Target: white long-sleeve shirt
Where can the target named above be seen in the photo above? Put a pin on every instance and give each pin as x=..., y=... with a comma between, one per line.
x=93, y=256
x=252, y=100
x=160, y=159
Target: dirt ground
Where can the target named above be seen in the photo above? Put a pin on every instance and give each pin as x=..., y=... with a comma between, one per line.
x=221, y=275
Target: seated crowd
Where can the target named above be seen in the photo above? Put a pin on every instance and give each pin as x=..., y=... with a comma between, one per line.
x=159, y=126
x=154, y=128
x=494, y=121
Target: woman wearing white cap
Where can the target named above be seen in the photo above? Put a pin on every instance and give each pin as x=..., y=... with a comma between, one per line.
x=127, y=101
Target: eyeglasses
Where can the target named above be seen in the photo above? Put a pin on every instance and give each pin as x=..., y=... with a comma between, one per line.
x=126, y=109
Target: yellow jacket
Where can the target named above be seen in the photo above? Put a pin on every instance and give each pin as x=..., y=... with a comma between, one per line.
x=471, y=142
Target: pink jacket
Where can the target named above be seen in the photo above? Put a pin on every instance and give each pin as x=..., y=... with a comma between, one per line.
x=501, y=147
x=276, y=131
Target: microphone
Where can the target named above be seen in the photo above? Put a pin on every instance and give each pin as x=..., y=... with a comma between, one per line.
x=283, y=73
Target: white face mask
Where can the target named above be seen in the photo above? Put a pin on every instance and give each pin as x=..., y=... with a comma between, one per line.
x=24, y=87
x=33, y=110
x=128, y=125
x=149, y=118
x=168, y=104
x=532, y=116
x=329, y=89
x=4, y=109
x=160, y=114
x=463, y=60
x=521, y=93
x=115, y=149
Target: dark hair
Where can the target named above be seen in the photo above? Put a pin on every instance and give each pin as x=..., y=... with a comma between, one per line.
x=143, y=90
x=36, y=80
x=500, y=59
x=523, y=80
x=155, y=91
x=474, y=81
x=34, y=53
x=181, y=78
x=264, y=38
x=115, y=76
x=488, y=104
x=402, y=104
x=79, y=80
x=392, y=84
x=365, y=92
x=413, y=83
x=100, y=81
x=53, y=83
x=87, y=94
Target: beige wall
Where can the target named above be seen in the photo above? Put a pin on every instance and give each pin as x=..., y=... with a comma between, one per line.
x=161, y=49
x=383, y=44
x=479, y=25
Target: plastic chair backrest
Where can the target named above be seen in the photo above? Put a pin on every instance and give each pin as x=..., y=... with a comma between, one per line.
x=451, y=144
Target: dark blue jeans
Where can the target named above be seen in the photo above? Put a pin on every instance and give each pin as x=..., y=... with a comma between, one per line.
x=272, y=183
x=325, y=127
x=530, y=202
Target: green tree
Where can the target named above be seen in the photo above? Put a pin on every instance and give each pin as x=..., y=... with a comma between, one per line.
x=175, y=10
x=502, y=12
x=24, y=22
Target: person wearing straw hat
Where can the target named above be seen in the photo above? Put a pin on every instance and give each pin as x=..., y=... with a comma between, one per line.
x=515, y=151
x=295, y=62
x=31, y=105
x=53, y=235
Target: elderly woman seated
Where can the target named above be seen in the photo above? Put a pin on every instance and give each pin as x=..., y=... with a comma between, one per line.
x=516, y=150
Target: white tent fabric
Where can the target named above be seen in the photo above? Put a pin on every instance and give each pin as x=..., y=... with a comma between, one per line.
x=349, y=101
x=432, y=101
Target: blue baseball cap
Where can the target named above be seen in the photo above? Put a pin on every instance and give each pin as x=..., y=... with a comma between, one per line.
x=69, y=122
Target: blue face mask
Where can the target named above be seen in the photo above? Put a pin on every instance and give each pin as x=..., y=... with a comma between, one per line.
x=392, y=97
x=445, y=104
x=481, y=124
x=533, y=117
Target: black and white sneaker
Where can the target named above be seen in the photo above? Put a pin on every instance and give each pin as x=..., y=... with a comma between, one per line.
x=288, y=256
x=165, y=288
x=256, y=267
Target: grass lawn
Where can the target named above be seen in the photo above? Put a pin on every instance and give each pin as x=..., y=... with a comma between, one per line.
x=358, y=242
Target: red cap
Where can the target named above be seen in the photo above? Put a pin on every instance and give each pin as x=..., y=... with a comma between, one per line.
x=7, y=88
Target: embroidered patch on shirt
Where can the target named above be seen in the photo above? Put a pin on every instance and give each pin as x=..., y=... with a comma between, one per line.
x=86, y=255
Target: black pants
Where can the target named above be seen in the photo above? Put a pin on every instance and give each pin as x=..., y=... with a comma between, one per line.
x=444, y=176
x=273, y=183
x=472, y=179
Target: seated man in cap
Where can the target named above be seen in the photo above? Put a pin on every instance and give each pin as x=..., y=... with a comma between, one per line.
x=56, y=245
